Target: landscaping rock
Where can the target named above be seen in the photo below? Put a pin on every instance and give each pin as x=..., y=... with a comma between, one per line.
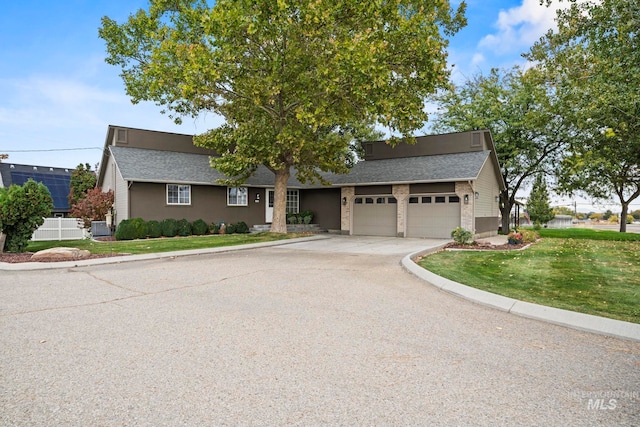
x=60, y=254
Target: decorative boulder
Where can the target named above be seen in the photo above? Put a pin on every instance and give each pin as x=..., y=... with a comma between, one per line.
x=60, y=254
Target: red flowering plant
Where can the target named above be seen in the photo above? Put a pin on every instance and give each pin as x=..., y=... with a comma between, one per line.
x=515, y=238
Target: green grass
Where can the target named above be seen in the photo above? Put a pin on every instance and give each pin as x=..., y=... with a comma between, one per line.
x=569, y=269
x=163, y=244
x=588, y=233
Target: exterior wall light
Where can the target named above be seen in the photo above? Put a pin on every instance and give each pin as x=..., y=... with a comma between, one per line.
x=466, y=199
x=344, y=201
x=497, y=199
x=477, y=195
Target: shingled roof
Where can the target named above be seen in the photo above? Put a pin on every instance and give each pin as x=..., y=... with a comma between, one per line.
x=136, y=164
x=443, y=167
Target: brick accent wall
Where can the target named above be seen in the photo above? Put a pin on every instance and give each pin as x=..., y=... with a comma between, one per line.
x=401, y=193
x=345, y=210
x=466, y=213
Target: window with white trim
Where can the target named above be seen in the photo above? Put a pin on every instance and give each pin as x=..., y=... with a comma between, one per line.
x=178, y=194
x=237, y=196
x=293, y=201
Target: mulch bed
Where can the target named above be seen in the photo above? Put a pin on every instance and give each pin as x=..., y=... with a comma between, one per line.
x=14, y=258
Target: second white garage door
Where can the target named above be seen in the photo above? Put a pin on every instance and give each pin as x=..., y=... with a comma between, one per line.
x=433, y=216
x=375, y=216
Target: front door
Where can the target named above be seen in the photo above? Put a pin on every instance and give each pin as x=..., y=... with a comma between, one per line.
x=268, y=213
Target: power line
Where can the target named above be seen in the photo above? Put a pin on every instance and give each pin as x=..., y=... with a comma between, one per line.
x=50, y=149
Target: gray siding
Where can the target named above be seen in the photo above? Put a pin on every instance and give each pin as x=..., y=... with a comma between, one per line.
x=325, y=205
x=113, y=181
x=487, y=188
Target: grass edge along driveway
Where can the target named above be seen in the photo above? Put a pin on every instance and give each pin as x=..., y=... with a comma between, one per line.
x=583, y=270
x=145, y=246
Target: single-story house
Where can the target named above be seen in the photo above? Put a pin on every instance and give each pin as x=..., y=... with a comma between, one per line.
x=57, y=180
x=424, y=189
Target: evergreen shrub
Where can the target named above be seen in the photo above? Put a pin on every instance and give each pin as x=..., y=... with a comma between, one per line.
x=199, y=227
x=154, y=229
x=184, y=228
x=169, y=227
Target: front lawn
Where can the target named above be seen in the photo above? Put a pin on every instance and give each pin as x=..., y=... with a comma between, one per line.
x=146, y=246
x=588, y=271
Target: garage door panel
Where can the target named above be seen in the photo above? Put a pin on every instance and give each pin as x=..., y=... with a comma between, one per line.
x=374, y=216
x=432, y=216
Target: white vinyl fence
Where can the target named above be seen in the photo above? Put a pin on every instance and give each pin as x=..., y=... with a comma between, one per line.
x=59, y=229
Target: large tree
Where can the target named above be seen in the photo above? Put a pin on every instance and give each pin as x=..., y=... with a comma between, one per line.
x=593, y=63
x=521, y=115
x=295, y=80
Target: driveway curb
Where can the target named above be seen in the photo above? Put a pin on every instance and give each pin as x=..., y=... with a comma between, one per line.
x=571, y=319
x=144, y=257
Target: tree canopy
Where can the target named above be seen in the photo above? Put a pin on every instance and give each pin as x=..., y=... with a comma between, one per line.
x=295, y=80
x=593, y=65
x=516, y=107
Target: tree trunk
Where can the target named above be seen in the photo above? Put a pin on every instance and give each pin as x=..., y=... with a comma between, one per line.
x=506, y=213
x=623, y=217
x=279, y=223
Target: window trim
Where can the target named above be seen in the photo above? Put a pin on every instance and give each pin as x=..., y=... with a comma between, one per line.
x=178, y=203
x=246, y=196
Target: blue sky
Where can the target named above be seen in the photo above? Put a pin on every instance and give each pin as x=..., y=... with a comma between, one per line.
x=56, y=91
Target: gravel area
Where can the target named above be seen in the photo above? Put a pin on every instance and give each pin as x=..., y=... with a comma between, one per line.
x=291, y=337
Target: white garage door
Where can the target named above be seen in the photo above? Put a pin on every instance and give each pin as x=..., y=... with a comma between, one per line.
x=433, y=216
x=375, y=216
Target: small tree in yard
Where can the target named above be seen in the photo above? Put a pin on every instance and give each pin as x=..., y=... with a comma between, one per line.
x=93, y=207
x=82, y=180
x=538, y=205
x=22, y=211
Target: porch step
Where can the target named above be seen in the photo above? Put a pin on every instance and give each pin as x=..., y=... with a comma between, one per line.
x=291, y=228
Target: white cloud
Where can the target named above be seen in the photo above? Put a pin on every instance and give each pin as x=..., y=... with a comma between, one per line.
x=519, y=27
x=477, y=59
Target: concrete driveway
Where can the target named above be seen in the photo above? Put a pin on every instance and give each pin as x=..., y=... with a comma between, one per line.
x=301, y=334
x=367, y=245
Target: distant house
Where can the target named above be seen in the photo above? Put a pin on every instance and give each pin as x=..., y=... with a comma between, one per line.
x=420, y=190
x=55, y=179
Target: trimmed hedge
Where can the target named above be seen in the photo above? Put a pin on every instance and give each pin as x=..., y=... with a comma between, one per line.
x=169, y=227
x=155, y=229
x=137, y=228
x=184, y=228
x=199, y=227
x=242, y=227
x=133, y=228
